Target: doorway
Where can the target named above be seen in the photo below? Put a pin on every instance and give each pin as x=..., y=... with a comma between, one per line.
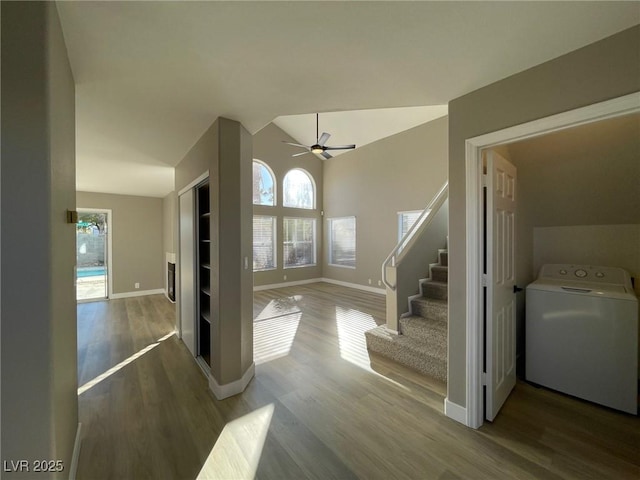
x=475, y=348
x=93, y=254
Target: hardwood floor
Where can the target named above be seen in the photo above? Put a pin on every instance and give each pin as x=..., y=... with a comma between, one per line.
x=319, y=406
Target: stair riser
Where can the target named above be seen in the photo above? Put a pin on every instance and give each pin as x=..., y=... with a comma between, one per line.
x=437, y=291
x=444, y=258
x=440, y=275
x=423, y=363
x=435, y=312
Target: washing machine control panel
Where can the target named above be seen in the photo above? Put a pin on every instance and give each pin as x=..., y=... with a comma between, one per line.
x=589, y=273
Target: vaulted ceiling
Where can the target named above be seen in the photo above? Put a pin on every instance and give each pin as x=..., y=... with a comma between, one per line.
x=152, y=76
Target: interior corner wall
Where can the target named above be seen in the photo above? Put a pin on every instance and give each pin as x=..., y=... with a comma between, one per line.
x=39, y=351
x=269, y=148
x=137, y=238
x=604, y=70
x=169, y=230
x=375, y=182
x=225, y=151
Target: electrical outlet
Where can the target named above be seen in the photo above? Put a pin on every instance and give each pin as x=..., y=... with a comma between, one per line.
x=369, y=281
x=285, y=277
x=136, y=285
x=379, y=282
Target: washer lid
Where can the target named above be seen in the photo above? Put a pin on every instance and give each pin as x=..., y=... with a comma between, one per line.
x=583, y=288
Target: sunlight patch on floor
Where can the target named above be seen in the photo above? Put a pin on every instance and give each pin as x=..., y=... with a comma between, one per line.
x=353, y=346
x=236, y=454
x=274, y=329
x=121, y=365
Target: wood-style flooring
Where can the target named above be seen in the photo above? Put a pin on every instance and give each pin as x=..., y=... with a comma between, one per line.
x=319, y=407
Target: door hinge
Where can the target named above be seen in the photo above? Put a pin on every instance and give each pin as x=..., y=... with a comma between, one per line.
x=483, y=279
x=484, y=378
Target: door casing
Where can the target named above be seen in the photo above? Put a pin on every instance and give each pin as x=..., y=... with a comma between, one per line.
x=474, y=409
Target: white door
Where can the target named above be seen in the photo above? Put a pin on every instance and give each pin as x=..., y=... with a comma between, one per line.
x=500, y=332
x=186, y=269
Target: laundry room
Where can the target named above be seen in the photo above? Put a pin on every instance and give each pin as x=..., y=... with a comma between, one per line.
x=578, y=203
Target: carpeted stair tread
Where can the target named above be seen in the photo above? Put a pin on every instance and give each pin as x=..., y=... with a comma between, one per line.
x=433, y=332
x=443, y=257
x=430, y=308
x=436, y=290
x=410, y=352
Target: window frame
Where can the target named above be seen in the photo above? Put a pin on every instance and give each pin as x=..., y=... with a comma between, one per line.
x=273, y=179
x=313, y=187
x=330, y=259
x=314, y=242
x=274, y=245
x=400, y=223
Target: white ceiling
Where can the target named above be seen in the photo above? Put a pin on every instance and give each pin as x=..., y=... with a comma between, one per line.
x=152, y=76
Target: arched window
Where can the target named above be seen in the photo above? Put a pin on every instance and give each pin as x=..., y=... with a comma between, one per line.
x=298, y=189
x=264, y=185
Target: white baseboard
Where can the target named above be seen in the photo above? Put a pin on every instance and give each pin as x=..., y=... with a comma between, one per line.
x=137, y=293
x=455, y=411
x=366, y=288
x=73, y=468
x=233, y=388
x=286, y=284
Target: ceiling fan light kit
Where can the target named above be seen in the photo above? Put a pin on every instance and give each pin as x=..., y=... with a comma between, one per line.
x=319, y=148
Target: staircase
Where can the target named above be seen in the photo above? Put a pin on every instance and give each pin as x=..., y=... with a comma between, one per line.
x=422, y=343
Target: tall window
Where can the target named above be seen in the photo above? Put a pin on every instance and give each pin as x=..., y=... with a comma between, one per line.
x=264, y=191
x=299, y=242
x=264, y=243
x=406, y=221
x=298, y=189
x=342, y=242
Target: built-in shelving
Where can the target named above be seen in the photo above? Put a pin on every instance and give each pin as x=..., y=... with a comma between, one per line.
x=204, y=272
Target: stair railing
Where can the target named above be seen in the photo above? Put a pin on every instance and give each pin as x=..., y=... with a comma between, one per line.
x=392, y=274
x=423, y=221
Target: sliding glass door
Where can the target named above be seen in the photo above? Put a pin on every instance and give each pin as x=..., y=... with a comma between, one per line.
x=92, y=254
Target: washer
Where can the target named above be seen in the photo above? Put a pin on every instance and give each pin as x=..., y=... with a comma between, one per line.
x=582, y=334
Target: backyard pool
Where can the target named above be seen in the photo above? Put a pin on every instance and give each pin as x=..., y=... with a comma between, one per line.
x=90, y=271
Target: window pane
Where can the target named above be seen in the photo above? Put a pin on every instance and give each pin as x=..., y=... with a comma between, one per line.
x=342, y=241
x=406, y=221
x=299, y=238
x=264, y=233
x=263, y=191
x=298, y=190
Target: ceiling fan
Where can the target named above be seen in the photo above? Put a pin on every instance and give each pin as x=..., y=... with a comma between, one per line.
x=319, y=148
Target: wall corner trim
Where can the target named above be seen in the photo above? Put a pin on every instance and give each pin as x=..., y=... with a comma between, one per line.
x=73, y=468
x=230, y=389
x=455, y=412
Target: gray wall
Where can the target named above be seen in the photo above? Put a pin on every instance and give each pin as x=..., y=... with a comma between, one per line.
x=39, y=365
x=169, y=228
x=268, y=147
x=225, y=150
x=137, y=238
x=604, y=70
x=374, y=183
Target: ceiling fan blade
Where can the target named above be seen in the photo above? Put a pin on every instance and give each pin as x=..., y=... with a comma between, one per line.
x=326, y=155
x=323, y=138
x=295, y=144
x=340, y=147
x=303, y=153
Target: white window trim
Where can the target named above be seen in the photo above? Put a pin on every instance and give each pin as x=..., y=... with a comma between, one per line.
x=314, y=241
x=355, y=227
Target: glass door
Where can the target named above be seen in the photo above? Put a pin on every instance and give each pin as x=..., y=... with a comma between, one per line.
x=92, y=261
